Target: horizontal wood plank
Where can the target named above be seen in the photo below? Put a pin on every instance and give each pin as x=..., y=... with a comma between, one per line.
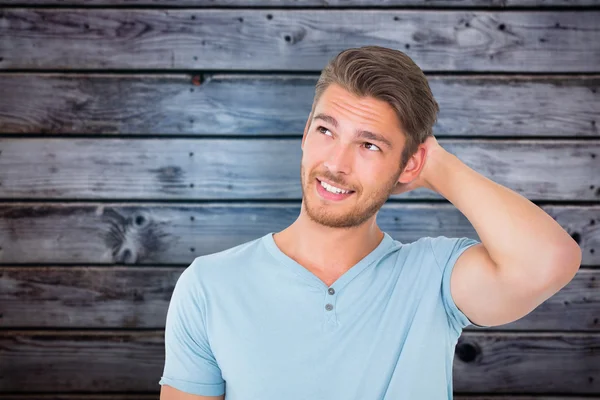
x=154, y=234
x=310, y=3
x=240, y=104
x=527, y=363
x=208, y=169
x=138, y=297
x=80, y=361
x=86, y=297
x=484, y=362
x=296, y=40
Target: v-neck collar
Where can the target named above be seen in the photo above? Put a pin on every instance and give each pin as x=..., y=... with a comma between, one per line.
x=384, y=246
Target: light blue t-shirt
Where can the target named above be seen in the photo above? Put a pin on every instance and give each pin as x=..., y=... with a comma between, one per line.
x=254, y=324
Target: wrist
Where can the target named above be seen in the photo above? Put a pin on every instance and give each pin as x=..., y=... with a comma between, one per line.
x=440, y=163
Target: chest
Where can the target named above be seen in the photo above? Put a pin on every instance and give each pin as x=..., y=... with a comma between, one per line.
x=286, y=339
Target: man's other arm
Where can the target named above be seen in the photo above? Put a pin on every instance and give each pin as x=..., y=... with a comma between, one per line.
x=170, y=393
x=191, y=370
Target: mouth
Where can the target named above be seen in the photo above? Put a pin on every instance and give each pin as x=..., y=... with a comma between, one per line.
x=330, y=192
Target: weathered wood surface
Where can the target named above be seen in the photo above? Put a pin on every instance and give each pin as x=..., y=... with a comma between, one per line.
x=201, y=169
x=312, y=3
x=138, y=297
x=80, y=361
x=296, y=40
x=132, y=361
x=152, y=234
x=87, y=297
x=527, y=363
x=279, y=104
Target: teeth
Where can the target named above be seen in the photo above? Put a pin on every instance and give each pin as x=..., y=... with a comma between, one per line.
x=333, y=189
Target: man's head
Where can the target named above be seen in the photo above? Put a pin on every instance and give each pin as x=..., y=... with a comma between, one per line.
x=372, y=110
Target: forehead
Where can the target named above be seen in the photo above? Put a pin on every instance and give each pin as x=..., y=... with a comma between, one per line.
x=366, y=112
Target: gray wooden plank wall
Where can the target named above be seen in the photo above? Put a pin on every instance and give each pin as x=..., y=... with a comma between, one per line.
x=136, y=135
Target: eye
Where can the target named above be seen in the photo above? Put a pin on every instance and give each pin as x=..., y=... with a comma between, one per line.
x=371, y=144
x=320, y=129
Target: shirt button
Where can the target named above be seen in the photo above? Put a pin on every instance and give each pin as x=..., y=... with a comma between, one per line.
x=331, y=291
x=329, y=307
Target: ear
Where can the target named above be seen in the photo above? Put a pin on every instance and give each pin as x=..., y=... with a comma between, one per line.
x=306, y=129
x=408, y=179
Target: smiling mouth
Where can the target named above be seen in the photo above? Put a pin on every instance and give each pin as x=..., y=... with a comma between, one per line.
x=337, y=193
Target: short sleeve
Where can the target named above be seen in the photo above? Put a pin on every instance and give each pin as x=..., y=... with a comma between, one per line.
x=189, y=362
x=446, y=251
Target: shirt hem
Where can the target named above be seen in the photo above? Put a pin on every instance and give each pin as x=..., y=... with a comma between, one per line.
x=201, y=389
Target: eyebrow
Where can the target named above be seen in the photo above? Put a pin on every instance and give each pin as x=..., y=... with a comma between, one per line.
x=360, y=133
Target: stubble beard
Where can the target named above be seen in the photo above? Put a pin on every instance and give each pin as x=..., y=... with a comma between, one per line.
x=331, y=215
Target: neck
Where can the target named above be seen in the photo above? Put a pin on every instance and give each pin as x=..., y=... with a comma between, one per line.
x=326, y=250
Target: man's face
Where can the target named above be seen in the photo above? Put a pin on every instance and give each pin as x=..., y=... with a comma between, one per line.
x=368, y=166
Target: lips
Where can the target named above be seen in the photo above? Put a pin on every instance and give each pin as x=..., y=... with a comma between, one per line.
x=335, y=185
x=325, y=194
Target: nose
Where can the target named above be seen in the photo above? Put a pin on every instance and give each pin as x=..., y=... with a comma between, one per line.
x=340, y=159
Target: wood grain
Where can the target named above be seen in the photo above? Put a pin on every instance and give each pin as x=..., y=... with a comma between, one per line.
x=296, y=40
x=238, y=104
x=312, y=3
x=133, y=361
x=207, y=169
x=154, y=234
x=527, y=363
x=138, y=297
x=86, y=297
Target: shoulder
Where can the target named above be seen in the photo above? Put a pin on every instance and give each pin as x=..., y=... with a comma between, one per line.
x=440, y=252
x=447, y=249
x=446, y=252
x=418, y=250
x=223, y=265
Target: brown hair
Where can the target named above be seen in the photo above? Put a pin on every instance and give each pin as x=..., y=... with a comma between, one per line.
x=391, y=76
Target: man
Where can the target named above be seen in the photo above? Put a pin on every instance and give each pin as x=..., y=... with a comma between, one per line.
x=332, y=307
